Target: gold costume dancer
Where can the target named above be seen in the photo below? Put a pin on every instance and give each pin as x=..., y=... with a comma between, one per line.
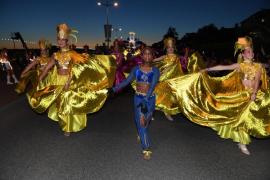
x=170, y=67
x=237, y=105
x=33, y=70
x=77, y=86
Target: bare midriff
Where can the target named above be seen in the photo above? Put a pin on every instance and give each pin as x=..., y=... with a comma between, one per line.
x=249, y=84
x=142, y=88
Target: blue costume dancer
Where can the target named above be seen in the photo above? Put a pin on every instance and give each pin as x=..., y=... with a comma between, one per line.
x=144, y=99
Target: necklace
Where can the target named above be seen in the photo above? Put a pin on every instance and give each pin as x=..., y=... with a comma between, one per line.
x=63, y=57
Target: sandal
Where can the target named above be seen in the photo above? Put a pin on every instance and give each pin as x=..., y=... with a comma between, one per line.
x=147, y=155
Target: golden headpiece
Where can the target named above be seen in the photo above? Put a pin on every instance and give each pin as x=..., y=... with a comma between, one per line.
x=44, y=44
x=243, y=43
x=63, y=32
x=169, y=42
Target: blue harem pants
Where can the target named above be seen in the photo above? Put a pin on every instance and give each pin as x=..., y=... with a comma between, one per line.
x=143, y=131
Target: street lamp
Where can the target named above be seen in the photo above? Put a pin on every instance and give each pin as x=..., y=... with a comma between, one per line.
x=107, y=26
x=117, y=31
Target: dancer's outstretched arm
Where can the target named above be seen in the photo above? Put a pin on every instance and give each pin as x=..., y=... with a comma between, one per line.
x=222, y=67
x=47, y=68
x=30, y=66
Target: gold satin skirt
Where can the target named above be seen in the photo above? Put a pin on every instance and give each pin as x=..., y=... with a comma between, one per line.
x=108, y=63
x=30, y=77
x=165, y=99
x=87, y=94
x=223, y=104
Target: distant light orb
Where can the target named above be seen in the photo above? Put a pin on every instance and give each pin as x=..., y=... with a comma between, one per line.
x=115, y=4
x=99, y=3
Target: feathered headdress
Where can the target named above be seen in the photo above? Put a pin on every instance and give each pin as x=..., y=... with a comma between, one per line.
x=63, y=32
x=44, y=44
x=242, y=43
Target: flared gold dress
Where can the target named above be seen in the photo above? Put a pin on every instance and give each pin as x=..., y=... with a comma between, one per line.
x=86, y=94
x=170, y=67
x=223, y=103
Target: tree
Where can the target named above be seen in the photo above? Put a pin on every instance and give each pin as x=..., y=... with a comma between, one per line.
x=211, y=28
x=171, y=33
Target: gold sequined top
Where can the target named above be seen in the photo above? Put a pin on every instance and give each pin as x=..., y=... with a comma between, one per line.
x=248, y=70
x=43, y=60
x=64, y=58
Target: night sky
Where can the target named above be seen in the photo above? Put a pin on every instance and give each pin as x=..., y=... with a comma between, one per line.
x=150, y=19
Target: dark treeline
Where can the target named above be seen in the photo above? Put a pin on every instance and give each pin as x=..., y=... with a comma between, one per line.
x=219, y=42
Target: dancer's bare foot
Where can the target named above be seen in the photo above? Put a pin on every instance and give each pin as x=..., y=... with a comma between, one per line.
x=67, y=134
x=243, y=148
